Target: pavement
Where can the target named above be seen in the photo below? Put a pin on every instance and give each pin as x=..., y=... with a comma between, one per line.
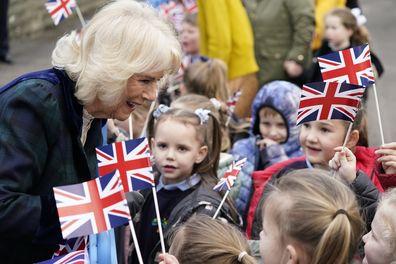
x=31, y=54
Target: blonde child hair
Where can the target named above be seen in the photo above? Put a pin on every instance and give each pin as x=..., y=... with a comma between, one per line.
x=316, y=213
x=360, y=34
x=205, y=240
x=384, y=243
x=195, y=101
x=207, y=78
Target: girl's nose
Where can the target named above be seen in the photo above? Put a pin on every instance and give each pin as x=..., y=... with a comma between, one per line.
x=311, y=136
x=170, y=155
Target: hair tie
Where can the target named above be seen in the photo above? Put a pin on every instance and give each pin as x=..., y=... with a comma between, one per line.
x=203, y=115
x=160, y=110
x=340, y=211
x=241, y=255
x=216, y=103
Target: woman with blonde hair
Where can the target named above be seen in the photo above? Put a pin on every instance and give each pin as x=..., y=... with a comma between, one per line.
x=50, y=121
x=310, y=217
x=205, y=240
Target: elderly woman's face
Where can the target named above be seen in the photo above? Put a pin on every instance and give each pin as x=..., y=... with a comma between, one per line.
x=140, y=88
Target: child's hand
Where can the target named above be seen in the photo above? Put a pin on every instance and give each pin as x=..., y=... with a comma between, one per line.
x=263, y=143
x=292, y=68
x=167, y=259
x=387, y=154
x=344, y=162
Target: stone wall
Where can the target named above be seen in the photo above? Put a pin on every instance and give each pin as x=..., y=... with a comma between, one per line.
x=30, y=17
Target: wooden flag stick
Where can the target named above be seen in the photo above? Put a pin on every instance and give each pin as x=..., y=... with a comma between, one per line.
x=347, y=135
x=378, y=114
x=80, y=16
x=135, y=241
x=130, y=126
x=221, y=204
x=159, y=220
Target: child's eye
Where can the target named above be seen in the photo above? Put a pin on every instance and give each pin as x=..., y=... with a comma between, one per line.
x=265, y=123
x=324, y=130
x=306, y=125
x=161, y=145
x=182, y=149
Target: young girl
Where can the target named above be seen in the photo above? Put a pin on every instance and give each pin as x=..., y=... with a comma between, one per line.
x=310, y=217
x=207, y=78
x=187, y=168
x=205, y=240
x=342, y=32
x=380, y=242
x=319, y=140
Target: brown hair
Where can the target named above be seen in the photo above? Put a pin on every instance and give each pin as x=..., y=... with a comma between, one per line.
x=208, y=135
x=190, y=18
x=205, y=240
x=359, y=33
x=207, y=78
x=195, y=101
x=317, y=212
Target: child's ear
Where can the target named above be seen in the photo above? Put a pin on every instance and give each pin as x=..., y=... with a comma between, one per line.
x=353, y=139
x=293, y=254
x=202, y=153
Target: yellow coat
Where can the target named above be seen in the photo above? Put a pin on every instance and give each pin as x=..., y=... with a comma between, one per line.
x=322, y=7
x=226, y=34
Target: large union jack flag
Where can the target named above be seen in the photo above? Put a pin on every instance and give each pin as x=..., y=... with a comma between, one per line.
x=77, y=257
x=131, y=159
x=351, y=66
x=60, y=9
x=329, y=100
x=229, y=176
x=91, y=207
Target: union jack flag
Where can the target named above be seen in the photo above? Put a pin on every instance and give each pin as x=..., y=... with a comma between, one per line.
x=131, y=159
x=76, y=257
x=351, y=66
x=229, y=176
x=329, y=100
x=91, y=207
x=71, y=245
x=232, y=101
x=60, y=9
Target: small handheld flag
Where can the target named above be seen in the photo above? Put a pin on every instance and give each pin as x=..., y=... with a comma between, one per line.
x=329, y=100
x=228, y=180
x=91, y=207
x=230, y=175
x=76, y=257
x=350, y=65
x=131, y=159
x=60, y=9
x=71, y=245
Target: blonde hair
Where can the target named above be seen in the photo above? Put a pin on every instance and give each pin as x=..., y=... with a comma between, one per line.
x=208, y=134
x=319, y=213
x=195, y=101
x=387, y=205
x=205, y=240
x=348, y=20
x=207, y=78
x=124, y=38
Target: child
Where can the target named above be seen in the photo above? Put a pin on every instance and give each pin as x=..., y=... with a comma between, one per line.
x=240, y=189
x=318, y=140
x=274, y=135
x=342, y=32
x=187, y=168
x=189, y=35
x=205, y=240
x=310, y=217
x=207, y=78
x=380, y=242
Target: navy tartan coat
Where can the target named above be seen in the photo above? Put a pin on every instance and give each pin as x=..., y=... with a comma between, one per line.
x=40, y=147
